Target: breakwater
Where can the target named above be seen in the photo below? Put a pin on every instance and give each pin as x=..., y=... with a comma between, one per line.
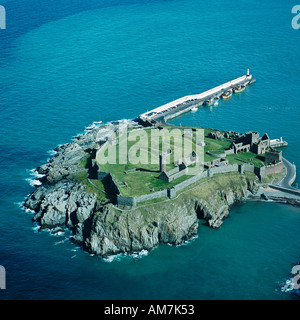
x=187, y=103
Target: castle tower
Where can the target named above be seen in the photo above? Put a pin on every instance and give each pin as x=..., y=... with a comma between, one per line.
x=162, y=162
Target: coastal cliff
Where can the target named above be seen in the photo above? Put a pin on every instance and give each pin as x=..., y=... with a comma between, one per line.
x=63, y=200
x=175, y=221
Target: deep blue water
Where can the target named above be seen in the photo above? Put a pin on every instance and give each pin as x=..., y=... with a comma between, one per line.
x=65, y=64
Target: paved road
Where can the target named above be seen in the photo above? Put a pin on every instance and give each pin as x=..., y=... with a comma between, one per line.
x=290, y=175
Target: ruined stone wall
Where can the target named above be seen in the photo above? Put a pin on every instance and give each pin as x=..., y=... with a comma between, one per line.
x=275, y=168
x=190, y=181
x=178, y=174
x=172, y=192
x=273, y=156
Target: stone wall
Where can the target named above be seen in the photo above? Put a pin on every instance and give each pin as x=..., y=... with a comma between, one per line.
x=275, y=168
x=178, y=174
x=172, y=192
x=260, y=172
x=217, y=155
x=248, y=167
x=190, y=181
x=229, y=151
x=132, y=201
x=113, y=185
x=173, y=171
x=289, y=190
x=224, y=169
x=151, y=196
x=126, y=201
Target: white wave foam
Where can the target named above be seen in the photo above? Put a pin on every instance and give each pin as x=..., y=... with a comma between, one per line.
x=185, y=243
x=140, y=254
x=30, y=211
x=52, y=153
x=60, y=242
x=58, y=234
x=288, y=286
x=33, y=182
x=94, y=125
x=134, y=255
x=36, y=228
x=23, y=208
x=20, y=205
x=115, y=257
x=35, y=174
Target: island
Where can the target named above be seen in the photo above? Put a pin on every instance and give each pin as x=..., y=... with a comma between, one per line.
x=126, y=208
x=129, y=185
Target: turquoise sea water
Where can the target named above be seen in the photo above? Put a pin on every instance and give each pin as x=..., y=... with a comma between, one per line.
x=66, y=64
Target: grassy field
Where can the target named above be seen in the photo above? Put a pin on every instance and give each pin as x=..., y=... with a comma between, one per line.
x=134, y=161
x=213, y=144
x=94, y=186
x=250, y=157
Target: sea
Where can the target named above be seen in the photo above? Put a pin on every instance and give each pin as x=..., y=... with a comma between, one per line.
x=65, y=64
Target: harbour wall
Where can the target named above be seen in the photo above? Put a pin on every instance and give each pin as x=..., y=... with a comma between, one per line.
x=182, y=111
x=288, y=190
x=197, y=98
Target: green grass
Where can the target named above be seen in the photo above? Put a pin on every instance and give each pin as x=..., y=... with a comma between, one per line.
x=273, y=178
x=250, y=157
x=84, y=161
x=141, y=182
x=145, y=180
x=217, y=145
x=208, y=157
x=93, y=187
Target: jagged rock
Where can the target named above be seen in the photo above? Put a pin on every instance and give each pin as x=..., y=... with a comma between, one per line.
x=52, y=218
x=263, y=196
x=113, y=231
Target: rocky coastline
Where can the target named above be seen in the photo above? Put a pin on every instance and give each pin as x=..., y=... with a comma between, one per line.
x=101, y=228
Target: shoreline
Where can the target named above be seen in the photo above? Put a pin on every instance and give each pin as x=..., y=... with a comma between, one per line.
x=271, y=195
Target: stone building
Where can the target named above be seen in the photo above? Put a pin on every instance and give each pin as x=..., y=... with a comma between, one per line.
x=163, y=160
x=216, y=135
x=240, y=147
x=174, y=173
x=180, y=169
x=273, y=156
x=251, y=141
x=250, y=137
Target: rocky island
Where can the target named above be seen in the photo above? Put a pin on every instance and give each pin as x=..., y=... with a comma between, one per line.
x=128, y=185
x=133, y=207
